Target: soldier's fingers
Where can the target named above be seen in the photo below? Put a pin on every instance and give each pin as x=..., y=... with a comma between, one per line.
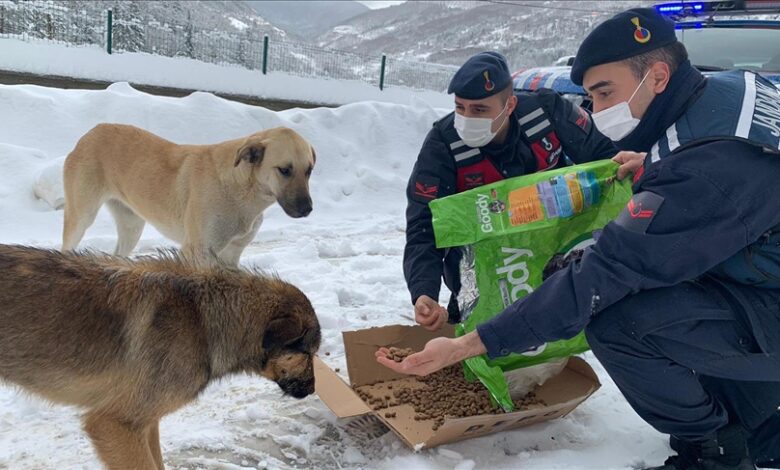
x=427, y=318
x=623, y=171
x=390, y=364
x=382, y=352
x=422, y=309
x=441, y=318
x=619, y=158
x=416, y=364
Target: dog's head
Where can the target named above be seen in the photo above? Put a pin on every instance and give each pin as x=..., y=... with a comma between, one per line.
x=281, y=162
x=290, y=342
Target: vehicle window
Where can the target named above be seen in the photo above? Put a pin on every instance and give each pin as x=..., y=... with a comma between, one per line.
x=727, y=48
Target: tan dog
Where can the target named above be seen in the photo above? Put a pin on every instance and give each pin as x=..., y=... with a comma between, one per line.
x=133, y=341
x=209, y=198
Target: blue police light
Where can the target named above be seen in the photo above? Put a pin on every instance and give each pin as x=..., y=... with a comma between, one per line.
x=677, y=7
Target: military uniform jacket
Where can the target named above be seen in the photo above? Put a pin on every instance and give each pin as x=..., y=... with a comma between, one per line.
x=543, y=127
x=702, y=200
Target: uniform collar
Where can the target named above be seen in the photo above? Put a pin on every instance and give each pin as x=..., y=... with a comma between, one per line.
x=685, y=86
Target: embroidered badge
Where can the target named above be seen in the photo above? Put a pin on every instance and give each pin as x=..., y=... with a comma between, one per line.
x=547, y=151
x=472, y=180
x=425, y=188
x=489, y=85
x=640, y=212
x=641, y=35
x=583, y=119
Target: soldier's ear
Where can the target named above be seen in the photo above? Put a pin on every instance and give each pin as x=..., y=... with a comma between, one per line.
x=512, y=104
x=252, y=152
x=659, y=76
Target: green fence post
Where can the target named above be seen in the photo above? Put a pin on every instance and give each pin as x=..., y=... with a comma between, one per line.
x=109, y=31
x=382, y=73
x=265, y=54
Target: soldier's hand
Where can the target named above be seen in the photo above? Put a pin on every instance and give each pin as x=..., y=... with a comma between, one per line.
x=429, y=314
x=438, y=354
x=629, y=162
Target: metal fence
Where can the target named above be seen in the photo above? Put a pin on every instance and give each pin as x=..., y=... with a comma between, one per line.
x=50, y=21
x=116, y=30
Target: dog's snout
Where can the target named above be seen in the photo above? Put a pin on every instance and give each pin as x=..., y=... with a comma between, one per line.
x=297, y=207
x=304, y=206
x=297, y=388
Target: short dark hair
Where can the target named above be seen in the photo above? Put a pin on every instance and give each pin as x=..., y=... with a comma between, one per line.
x=507, y=92
x=673, y=55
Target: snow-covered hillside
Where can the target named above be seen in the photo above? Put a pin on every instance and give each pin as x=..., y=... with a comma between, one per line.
x=528, y=33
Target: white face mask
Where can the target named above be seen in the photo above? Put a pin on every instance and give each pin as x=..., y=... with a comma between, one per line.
x=617, y=121
x=477, y=132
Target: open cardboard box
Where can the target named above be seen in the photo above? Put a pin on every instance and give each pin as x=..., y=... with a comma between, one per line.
x=562, y=393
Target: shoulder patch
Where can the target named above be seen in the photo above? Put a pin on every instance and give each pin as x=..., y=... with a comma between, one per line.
x=426, y=188
x=547, y=151
x=581, y=119
x=640, y=212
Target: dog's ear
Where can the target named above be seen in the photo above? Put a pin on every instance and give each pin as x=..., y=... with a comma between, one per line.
x=282, y=331
x=314, y=156
x=253, y=152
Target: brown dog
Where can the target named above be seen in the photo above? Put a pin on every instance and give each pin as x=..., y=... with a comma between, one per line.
x=209, y=198
x=131, y=341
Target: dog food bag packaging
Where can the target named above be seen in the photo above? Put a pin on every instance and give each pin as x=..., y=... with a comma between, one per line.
x=513, y=234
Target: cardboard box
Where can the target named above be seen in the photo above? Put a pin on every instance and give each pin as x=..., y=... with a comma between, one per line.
x=562, y=393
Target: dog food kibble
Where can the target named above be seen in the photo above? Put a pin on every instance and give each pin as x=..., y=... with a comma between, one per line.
x=444, y=394
x=337, y=369
x=398, y=354
x=327, y=353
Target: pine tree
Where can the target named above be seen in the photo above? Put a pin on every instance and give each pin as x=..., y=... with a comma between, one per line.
x=189, y=32
x=32, y=20
x=243, y=54
x=129, y=34
x=56, y=22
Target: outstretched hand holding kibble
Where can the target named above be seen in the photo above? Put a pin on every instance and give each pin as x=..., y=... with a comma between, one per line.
x=438, y=354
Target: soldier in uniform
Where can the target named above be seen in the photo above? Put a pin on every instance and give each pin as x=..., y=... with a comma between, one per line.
x=680, y=296
x=494, y=133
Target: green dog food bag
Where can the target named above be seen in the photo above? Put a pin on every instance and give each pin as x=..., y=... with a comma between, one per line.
x=513, y=234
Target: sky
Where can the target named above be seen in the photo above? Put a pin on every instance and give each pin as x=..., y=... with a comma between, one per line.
x=377, y=4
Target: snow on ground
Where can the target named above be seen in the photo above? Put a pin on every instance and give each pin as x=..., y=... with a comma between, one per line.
x=346, y=256
x=92, y=62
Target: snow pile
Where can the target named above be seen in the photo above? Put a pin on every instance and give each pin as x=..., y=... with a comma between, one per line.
x=346, y=256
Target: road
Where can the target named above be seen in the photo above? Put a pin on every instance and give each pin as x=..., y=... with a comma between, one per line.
x=19, y=78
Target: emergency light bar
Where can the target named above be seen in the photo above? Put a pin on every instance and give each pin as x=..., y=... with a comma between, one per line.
x=676, y=8
x=724, y=7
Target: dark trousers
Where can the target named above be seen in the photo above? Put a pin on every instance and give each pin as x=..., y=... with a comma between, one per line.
x=686, y=357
